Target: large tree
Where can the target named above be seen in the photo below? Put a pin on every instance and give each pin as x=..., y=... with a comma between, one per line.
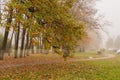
x=48, y=23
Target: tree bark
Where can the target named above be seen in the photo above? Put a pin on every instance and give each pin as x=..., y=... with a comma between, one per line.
x=22, y=43
x=3, y=48
x=17, y=42
x=4, y=43
x=27, y=45
x=32, y=49
x=10, y=43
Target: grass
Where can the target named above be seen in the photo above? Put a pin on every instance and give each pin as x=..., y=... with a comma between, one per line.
x=108, y=69
x=87, y=54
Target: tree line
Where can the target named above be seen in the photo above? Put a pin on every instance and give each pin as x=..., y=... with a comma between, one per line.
x=36, y=26
x=113, y=43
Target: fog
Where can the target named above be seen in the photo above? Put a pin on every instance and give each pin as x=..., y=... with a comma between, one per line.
x=110, y=9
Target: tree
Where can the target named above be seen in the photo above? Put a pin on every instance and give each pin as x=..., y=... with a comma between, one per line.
x=92, y=41
x=110, y=43
x=96, y=40
x=85, y=12
x=7, y=46
x=7, y=28
x=117, y=42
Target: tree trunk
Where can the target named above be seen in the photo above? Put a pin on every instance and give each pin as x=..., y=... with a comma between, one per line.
x=10, y=43
x=41, y=43
x=27, y=45
x=32, y=49
x=17, y=42
x=4, y=43
x=22, y=43
x=38, y=46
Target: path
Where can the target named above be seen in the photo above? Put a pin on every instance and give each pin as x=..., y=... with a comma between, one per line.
x=55, y=61
x=106, y=56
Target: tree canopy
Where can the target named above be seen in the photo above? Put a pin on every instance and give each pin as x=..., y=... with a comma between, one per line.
x=46, y=24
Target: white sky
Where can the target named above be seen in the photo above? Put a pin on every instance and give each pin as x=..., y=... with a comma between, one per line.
x=110, y=9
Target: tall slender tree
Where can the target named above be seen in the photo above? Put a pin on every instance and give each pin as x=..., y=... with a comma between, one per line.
x=7, y=28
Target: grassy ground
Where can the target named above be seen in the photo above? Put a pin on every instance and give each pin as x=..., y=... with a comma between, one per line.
x=108, y=69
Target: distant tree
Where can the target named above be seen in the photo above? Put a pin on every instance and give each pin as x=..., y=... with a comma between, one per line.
x=83, y=44
x=91, y=41
x=110, y=43
x=85, y=12
x=117, y=42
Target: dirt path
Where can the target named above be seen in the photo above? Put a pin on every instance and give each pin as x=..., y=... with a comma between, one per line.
x=107, y=56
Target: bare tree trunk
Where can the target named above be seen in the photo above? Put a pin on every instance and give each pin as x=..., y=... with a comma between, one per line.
x=10, y=43
x=22, y=43
x=4, y=43
x=27, y=45
x=38, y=46
x=41, y=43
x=32, y=49
x=17, y=42
x=38, y=49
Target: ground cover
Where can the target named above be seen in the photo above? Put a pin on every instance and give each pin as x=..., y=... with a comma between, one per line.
x=106, y=69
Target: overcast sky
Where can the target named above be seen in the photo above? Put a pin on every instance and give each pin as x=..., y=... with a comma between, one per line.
x=110, y=9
